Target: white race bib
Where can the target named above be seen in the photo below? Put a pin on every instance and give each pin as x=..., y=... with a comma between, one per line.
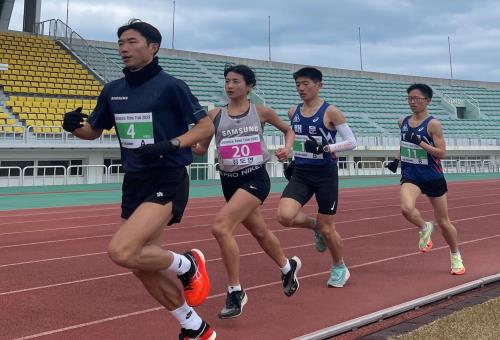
x=135, y=129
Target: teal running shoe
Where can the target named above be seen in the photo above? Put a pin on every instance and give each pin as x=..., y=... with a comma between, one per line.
x=319, y=241
x=338, y=276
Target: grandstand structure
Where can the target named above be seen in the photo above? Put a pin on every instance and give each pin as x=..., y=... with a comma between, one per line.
x=46, y=74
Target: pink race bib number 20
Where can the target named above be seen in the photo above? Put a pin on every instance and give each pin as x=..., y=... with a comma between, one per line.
x=241, y=150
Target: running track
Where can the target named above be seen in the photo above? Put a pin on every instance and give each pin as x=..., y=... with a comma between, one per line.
x=56, y=281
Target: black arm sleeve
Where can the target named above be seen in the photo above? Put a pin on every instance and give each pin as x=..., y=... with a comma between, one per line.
x=186, y=103
x=101, y=117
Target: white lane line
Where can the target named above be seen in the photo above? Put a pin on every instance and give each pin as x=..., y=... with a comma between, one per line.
x=246, y=254
x=271, y=198
x=309, y=205
x=149, y=310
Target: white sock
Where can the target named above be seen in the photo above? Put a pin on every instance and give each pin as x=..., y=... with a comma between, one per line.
x=187, y=317
x=180, y=265
x=425, y=227
x=235, y=288
x=455, y=253
x=286, y=268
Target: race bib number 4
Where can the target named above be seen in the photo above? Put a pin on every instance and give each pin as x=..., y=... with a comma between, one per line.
x=241, y=151
x=298, y=147
x=412, y=153
x=135, y=129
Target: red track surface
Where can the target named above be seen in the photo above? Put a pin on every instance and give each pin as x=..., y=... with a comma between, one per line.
x=56, y=281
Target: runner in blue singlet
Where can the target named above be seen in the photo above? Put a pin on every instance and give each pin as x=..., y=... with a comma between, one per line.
x=422, y=147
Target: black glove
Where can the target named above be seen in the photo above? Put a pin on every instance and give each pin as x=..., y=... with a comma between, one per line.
x=312, y=146
x=412, y=137
x=151, y=153
x=73, y=120
x=288, y=171
x=393, y=166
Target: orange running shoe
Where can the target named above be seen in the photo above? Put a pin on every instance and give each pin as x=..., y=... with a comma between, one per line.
x=195, y=281
x=205, y=332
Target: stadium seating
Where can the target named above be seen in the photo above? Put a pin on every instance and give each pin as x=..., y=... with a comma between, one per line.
x=201, y=83
x=37, y=65
x=44, y=81
x=371, y=106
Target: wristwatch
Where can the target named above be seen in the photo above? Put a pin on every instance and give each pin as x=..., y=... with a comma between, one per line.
x=326, y=148
x=176, y=143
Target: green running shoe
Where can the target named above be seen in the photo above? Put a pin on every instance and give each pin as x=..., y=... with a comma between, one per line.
x=457, y=265
x=425, y=242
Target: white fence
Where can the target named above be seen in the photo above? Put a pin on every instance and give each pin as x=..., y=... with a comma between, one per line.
x=98, y=174
x=11, y=176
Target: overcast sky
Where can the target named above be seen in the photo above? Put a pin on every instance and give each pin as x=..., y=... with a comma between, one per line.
x=398, y=36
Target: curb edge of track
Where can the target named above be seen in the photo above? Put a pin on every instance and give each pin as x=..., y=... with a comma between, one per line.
x=367, y=319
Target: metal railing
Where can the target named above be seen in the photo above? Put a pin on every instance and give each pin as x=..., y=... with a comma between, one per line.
x=99, y=174
x=91, y=56
x=11, y=132
x=87, y=174
x=49, y=175
x=8, y=179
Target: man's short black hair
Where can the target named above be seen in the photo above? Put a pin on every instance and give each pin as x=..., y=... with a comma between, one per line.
x=148, y=31
x=425, y=89
x=247, y=73
x=309, y=72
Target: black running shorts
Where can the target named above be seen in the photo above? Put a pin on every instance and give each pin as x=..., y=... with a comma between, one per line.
x=253, y=179
x=435, y=188
x=321, y=181
x=157, y=185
